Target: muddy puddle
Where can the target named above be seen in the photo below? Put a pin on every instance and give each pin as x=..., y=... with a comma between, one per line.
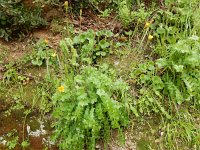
x=16, y=128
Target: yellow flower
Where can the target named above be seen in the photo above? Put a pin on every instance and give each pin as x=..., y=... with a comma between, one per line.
x=54, y=55
x=61, y=88
x=66, y=5
x=46, y=41
x=147, y=25
x=81, y=11
x=150, y=37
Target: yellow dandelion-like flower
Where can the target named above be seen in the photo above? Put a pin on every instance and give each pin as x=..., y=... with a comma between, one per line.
x=46, y=41
x=81, y=11
x=66, y=5
x=147, y=25
x=61, y=88
x=150, y=37
x=54, y=55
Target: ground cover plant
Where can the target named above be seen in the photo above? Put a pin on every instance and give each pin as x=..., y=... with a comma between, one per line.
x=128, y=80
x=16, y=19
x=88, y=106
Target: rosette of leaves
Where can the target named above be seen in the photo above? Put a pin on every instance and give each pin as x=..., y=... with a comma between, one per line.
x=41, y=54
x=88, y=46
x=92, y=104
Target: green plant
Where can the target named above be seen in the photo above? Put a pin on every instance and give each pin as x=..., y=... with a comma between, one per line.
x=13, y=75
x=168, y=82
x=12, y=139
x=151, y=86
x=25, y=144
x=183, y=65
x=10, y=74
x=129, y=16
x=4, y=52
x=175, y=76
x=105, y=13
x=89, y=46
x=16, y=19
x=88, y=106
x=42, y=53
x=181, y=132
x=44, y=102
x=174, y=71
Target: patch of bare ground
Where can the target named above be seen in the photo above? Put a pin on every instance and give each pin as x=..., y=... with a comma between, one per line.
x=138, y=138
x=130, y=143
x=53, y=39
x=15, y=50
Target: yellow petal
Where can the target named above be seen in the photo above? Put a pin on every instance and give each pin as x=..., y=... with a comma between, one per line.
x=150, y=37
x=54, y=55
x=61, y=88
x=66, y=5
x=46, y=41
x=147, y=25
x=81, y=11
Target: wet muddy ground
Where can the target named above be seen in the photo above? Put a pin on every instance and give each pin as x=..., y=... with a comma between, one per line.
x=38, y=132
x=31, y=129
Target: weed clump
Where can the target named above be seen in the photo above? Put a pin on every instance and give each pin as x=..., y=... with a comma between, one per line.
x=16, y=19
x=88, y=107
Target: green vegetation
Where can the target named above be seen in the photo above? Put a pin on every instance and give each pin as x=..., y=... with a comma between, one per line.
x=16, y=19
x=93, y=82
x=88, y=106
